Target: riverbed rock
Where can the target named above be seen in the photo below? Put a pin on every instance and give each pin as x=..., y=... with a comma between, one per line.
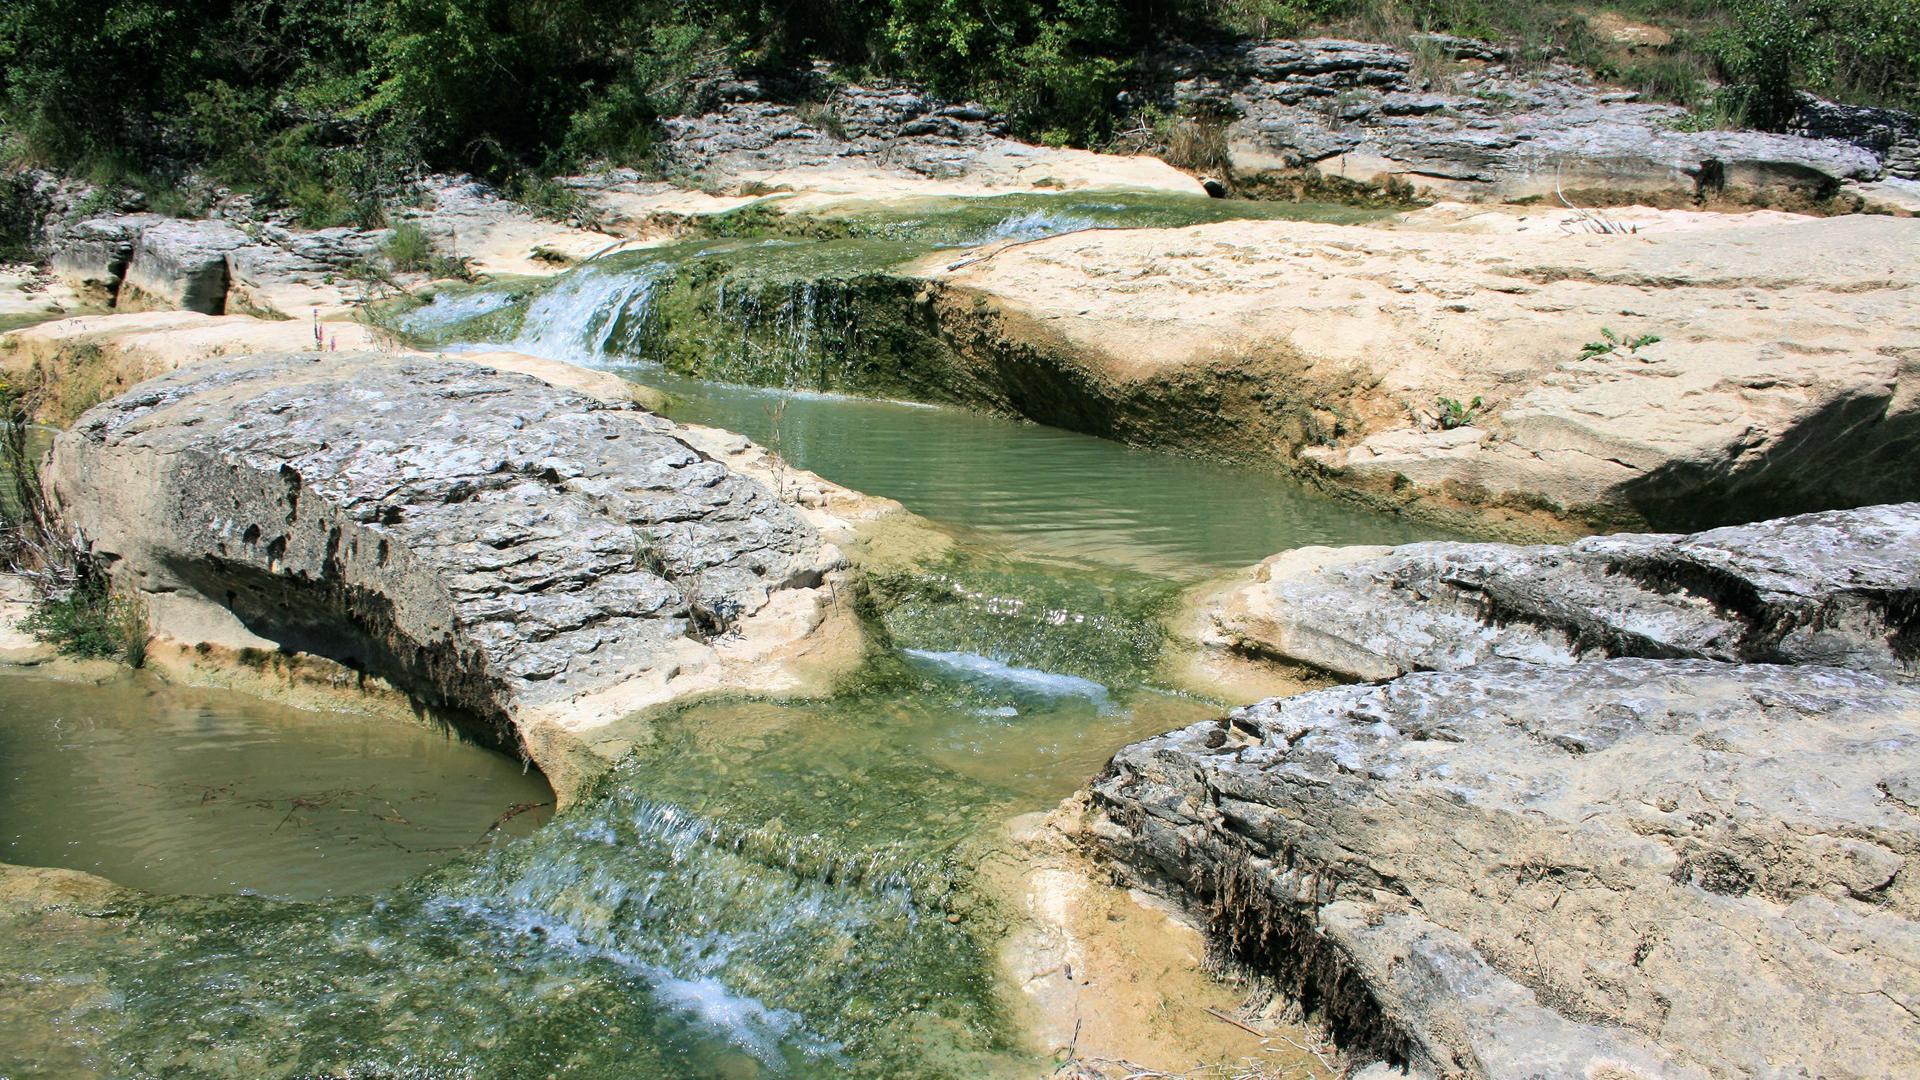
x=1839, y=588
x=536, y=559
x=809, y=132
x=181, y=265
x=1622, y=868
x=1755, y=367
x=1482, y=128
x=91, y=255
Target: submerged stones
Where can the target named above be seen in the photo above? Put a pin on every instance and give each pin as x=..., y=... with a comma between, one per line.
x=499, y=546
x=1654, y=814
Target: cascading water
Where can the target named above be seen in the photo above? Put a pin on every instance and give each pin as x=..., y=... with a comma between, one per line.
x=758, y=888
x=593, y=314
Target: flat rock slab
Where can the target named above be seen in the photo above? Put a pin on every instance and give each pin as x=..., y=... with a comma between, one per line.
x=1625, y=868
x=1762, y=369
x=1841, y=588
x=490, y=542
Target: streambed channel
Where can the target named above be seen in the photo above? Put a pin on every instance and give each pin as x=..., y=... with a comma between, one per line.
x=761, y=887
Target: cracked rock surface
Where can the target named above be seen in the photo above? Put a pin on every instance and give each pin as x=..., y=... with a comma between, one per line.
x=1841, y=588
x=1623, y=868
x=490, y=542
x=1485, y=127
x=1638, y=806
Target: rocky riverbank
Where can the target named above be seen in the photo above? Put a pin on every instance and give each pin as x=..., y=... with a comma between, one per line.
x=1644, y=805
x=1465, y=119
x=537, y=562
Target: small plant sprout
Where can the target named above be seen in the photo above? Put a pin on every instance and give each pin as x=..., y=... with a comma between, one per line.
x=1611, y=342
x=1454, y=413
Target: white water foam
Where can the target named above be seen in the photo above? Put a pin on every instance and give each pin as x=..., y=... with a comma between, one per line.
x=976, y=668
x=580, y=318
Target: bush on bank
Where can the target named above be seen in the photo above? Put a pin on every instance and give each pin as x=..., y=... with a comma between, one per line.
x=322, y=104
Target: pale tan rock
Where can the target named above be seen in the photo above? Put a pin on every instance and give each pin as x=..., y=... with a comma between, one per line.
x=1785, y=378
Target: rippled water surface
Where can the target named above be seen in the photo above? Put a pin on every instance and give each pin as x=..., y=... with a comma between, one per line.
x=186, y=791
x=759, y=888
x=1038, y=488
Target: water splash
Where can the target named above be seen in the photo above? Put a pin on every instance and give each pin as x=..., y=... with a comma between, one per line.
x=592, y=314
x=975, y=668
x=449, y=309
x=1037, y=224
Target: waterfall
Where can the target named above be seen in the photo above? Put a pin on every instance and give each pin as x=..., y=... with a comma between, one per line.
x=591, y=314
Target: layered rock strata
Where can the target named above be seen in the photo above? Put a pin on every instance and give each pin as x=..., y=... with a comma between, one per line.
x=1485, y=127
x=1640, y=806
x=1626, y=868
x=1839, y=588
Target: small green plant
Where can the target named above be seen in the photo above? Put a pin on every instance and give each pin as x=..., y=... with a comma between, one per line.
x=409, y=248
x=1611, y=341
x=1455, y=414
x=822, y=115
x=90, y=622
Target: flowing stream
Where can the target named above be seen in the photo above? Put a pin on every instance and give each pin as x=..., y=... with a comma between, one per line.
x=760, y=888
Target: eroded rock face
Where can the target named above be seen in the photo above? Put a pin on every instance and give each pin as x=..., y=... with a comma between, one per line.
x=1359, y=109
x=803, y=129
x=1628, y=868
x=180, y=265
x=1838, y=588
x=492, y=543
x=1764, y=365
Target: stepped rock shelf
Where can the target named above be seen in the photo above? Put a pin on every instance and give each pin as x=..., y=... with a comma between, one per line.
x=534, y=559
x=1595, y=841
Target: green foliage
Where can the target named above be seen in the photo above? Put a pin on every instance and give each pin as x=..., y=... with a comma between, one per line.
x=19, y=217
x=409, y=249
x=89, y=622
x=1454, y=413
x=1771, y=48
x=1610, y=341
x=326, y=105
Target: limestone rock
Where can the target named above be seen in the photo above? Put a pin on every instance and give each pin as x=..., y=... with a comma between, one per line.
x=1840, y=588
x=181, y=264
x=531, y=556
x=1623, y=868
x=91, y=255
x=813, y=133
x=1785, y=376
x=1358, y=110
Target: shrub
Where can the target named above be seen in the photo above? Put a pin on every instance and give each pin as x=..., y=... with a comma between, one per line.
x=90, y=622
x=409, y=249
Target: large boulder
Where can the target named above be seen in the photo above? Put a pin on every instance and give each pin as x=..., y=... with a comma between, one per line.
x=91, y=254
x=534, y=558
x=1626, y=868
x=1841, y=587
x=181, y=264
x=1704, y=370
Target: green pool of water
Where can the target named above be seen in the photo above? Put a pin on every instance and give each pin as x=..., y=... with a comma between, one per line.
x=761, y=888
x=1036, y=488
x=188, y=791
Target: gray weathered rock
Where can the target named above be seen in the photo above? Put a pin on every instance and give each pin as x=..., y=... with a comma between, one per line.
x=181, y=264
x=488, y=541
x=756, y=124
x=1624, y=868
x=1357, y=109
x=91, y=255
x=1840, y=588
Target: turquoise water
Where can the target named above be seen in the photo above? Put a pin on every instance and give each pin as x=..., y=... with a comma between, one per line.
x=762, y=887
x=1035, y=488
